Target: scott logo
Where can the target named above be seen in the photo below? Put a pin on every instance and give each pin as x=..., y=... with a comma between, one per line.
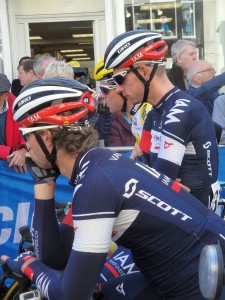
x=207, y=145
x=123, y=48
x=130, y=188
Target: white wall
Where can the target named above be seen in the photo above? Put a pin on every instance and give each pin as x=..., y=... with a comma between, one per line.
x=33, y=7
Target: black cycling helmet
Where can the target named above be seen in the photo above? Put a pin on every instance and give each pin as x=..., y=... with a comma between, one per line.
x=44, y=101
x=134, y=46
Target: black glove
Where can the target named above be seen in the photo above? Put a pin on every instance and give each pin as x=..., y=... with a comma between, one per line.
x=41, y=175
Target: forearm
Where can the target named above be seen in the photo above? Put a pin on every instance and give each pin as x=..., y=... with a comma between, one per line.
x=46, y=231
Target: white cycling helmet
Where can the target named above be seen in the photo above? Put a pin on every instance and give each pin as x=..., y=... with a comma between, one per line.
x=45, y=101
x=133, y=46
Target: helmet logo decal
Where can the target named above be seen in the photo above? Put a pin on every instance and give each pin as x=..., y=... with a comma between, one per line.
x=136, y=57
x=86, y=100
x=123, y=48
x=34, y=118
x=27, y=99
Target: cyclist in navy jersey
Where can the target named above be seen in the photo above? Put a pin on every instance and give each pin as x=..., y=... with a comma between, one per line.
x=178, y=138
x=114, y=198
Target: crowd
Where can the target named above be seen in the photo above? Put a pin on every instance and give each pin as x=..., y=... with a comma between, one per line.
x=158, y=205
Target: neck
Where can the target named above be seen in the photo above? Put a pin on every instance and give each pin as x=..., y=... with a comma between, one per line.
x=65, y=163
x=158, y=89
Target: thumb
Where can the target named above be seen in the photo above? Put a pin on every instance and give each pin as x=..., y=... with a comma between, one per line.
x=4, y=258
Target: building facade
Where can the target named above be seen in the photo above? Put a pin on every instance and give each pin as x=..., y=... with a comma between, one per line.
x=202, y=21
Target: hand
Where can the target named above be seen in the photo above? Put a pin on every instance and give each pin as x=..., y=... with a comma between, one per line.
x=182, y=185
x=40, y=175
x=17, y=160
x=136, y=152
x=16, y=264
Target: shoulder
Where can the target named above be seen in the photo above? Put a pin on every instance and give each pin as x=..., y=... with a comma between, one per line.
x=11, y=99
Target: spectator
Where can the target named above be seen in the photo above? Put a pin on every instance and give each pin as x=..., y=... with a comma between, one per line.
x=26, y=72
x=41, y=64
x=183, y=53
x=177, y=139
x=120, y=133
x=12, y=145
x=204, y=85
x=16, y=87
x=58, y=68
x=218, y=115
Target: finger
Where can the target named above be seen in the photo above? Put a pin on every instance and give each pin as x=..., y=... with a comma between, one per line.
x=4, y=257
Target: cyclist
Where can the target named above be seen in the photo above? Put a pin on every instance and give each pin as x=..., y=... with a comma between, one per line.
x=117, y=102
x=120, y=133
x=143, y=210
x=178, y=138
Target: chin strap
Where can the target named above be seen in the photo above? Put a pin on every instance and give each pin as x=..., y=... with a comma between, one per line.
x=51, y=157
x=145, y=82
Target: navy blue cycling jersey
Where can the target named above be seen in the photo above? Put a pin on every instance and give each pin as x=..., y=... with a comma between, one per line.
x=141, y=209
x=180, y=141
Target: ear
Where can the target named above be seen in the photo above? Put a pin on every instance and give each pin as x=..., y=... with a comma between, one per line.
x=46, y=135
x=145, y=71
x=178, y=59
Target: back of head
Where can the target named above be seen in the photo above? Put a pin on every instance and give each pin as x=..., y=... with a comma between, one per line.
x=178, y=47
x=4, y=83
x=135, y=46
x=58, y=101
x=24, y=58
x=41, y=64
x=58, y=68
x=27, y=65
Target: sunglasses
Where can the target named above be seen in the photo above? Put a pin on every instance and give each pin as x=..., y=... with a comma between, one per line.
x=106, y=89
x=27, y=130
x=119, y=78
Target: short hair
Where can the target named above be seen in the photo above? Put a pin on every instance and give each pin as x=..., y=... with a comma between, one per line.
x=59, y=68
x=27, y=65
x=22, y=59
x=195, y=67
x=178, y=47
x=42, y=63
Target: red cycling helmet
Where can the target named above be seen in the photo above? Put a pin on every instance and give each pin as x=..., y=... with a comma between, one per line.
x=58, y=101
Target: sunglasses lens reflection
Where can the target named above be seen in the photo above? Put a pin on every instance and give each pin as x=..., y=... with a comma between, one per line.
x=104, y=90
x=119, y=79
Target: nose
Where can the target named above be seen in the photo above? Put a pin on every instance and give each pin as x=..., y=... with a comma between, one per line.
x=119, y=89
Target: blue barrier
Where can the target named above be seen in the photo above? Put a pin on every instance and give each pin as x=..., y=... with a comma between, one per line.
x=16, y=205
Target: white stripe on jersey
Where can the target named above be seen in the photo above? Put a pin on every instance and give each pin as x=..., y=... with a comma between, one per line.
x=123, y=222
x=171, y=150
x=93, y=235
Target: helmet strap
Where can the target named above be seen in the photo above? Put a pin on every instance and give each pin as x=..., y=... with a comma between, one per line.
x=124, y=108
x=145, y=82
x=51, y=157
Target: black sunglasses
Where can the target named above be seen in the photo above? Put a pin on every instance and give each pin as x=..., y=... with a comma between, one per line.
x=105, y=89
x=119, y=78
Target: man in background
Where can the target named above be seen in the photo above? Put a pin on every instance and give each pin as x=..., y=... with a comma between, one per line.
x=26, y=72
x=183, y=53
x=12, y=145
x=41, y=64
